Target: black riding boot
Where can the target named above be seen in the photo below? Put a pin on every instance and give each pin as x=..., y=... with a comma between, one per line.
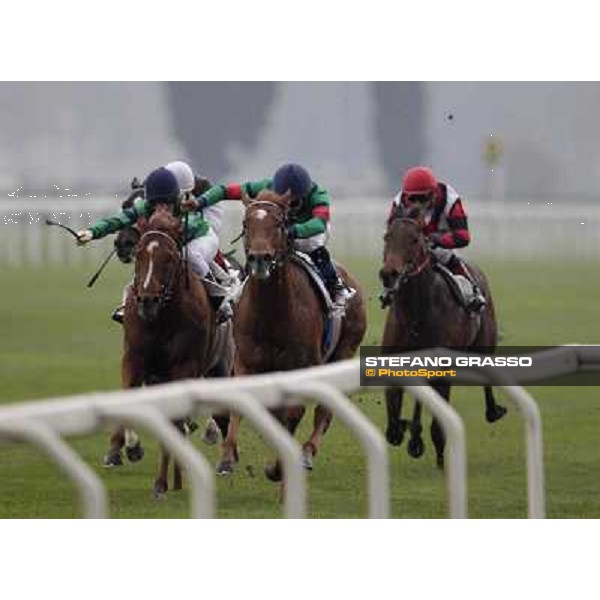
x=335, y=286
x=477, y=301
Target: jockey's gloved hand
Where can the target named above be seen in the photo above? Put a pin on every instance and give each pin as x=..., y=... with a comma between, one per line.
x=84, y=236
x=433, y=241
x=191, y=204
x=291, y=232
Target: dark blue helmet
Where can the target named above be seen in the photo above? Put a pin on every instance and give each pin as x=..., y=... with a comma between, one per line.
x=294, y=178
x=161, y=186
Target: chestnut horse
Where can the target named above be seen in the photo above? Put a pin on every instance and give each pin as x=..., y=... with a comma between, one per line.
x=280, y=321
x=169, y=325
x=425, y=314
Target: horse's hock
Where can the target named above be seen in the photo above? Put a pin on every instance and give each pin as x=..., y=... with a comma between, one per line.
x=45, y=424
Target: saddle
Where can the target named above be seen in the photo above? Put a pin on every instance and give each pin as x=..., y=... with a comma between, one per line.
x=461, y=288
x=333, y=315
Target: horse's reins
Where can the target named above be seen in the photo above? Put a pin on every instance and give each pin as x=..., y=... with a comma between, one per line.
x=166, y=290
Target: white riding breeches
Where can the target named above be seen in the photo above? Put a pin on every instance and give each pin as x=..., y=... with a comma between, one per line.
x=202, y=251
x=214, y=215
x=310, y=244
x=443, y=255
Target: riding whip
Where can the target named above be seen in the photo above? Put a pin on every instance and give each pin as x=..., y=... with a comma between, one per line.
x=56, y=224
x=92, y=281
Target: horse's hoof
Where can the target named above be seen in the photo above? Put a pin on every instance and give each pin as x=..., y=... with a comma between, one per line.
x=135, y=453
x=440, y=461
x=113, y=459
x=191, y=425
x=211, y=433
x=307, y=459
x=495, y=414
x=273, y=472
x=416, y=447
x=225, y=467
x=395, y=432
x=160, y=489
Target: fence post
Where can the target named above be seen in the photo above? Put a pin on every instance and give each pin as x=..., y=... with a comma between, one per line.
x=369, y=436
x=91, y=489
x=248, y=406
x=202, y=485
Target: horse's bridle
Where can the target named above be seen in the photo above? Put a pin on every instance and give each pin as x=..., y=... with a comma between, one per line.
x=411, y=270
x=166, y=290
x=282, y=223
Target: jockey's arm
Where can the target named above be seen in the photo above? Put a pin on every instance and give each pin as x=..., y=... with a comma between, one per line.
x=320, y=203
x=232, y=191
x=126, y=218
x=457, y=235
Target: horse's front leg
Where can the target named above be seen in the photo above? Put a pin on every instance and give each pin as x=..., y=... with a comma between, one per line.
x=395, y=425
x=229, y=447
x=177, y=472
x=161, y=485
x=416, y=447
x=437, y=433
x=132, y=375
x=493, y=411
x=321, y=422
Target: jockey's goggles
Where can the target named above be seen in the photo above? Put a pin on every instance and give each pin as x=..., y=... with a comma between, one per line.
x=425, y=198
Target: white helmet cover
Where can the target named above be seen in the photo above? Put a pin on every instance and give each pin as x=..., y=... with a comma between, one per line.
x=183, y=173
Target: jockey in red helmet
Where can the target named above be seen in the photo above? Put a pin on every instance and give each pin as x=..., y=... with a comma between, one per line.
x=446, y=225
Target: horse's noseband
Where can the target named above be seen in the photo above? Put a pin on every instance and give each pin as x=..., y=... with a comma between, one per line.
x=167, y=288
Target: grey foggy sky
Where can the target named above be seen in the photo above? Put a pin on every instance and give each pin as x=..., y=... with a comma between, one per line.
x=355, y=137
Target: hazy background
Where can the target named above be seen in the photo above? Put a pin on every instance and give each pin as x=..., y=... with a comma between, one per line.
x=355, y=137
x=524, y=156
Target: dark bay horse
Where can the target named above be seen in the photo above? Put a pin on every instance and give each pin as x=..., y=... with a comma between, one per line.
x=169, y=325
x=425, y=314
x=280, y=321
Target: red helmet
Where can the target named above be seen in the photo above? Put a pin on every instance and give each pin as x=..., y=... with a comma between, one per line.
x=419, y=181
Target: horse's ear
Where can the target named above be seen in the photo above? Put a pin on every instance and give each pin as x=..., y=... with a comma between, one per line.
x=246, y=200
x=286, y=200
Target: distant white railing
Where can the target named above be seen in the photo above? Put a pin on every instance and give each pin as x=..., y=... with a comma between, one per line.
x=45, y=423
x=504, y=230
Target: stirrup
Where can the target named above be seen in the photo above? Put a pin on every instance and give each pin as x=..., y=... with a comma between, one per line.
x=386, y=297
x=118, y=315
x=224, y=312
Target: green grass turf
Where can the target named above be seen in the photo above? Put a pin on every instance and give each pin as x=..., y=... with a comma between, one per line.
x=56, y=339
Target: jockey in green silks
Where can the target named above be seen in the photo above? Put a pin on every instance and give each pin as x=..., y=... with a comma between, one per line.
x=309, y=218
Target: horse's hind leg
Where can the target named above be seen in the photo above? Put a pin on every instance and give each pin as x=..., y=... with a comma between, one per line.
x=395, y=425
x=321, y=422
x=416, y=447
x=133, y=446
x=493, y=411
x=437, y=434
x=113, y=457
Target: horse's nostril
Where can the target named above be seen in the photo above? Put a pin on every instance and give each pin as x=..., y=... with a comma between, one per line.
x=268, y=257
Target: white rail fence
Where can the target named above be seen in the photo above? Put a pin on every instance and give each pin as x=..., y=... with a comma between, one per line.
x=45, y=424
x=515, y=230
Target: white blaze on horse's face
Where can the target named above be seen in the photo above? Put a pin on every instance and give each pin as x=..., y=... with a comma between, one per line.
x=150, y=249
x=260, y=214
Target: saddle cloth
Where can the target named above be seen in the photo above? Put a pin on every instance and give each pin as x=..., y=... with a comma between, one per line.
x=333, y=315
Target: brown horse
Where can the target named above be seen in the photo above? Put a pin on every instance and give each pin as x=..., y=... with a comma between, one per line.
x=280, y=320
x=425, y=314
x=169, y=325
